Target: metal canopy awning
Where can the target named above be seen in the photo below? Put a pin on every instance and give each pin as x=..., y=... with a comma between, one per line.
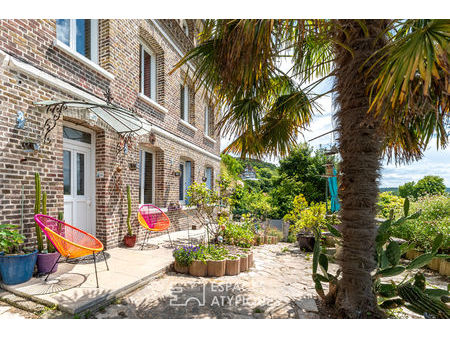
x=122, y=121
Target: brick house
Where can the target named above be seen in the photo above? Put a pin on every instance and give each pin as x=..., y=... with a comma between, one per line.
x=84, y=158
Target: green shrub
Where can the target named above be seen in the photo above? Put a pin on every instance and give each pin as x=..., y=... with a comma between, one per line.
x=240, y=234
x=387, y=201
x=435, y=219
x=10, y=238
x=304, y=217
x=429, y=185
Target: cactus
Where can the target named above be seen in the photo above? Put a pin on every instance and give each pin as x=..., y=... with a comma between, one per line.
x=421, y=303
x=130, y=230
x=50, y=247
x=37, y=208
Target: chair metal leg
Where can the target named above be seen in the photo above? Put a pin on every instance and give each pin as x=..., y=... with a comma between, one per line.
x=53, y=267
x=104, y=257
x=95, y=266
x=171, y=244
x=145, y=240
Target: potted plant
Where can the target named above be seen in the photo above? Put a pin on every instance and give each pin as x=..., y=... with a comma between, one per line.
x=216, y=261
x=15, y=266
x=183, y=258
x=198, y=266
x=129, y=240
x=46, y=259
x=306, y=220
x=233, y=266
x=243, y=262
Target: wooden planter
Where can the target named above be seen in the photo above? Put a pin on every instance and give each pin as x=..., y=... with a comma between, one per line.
x=268, y=239
x=259, y=240
x=244, y=263
x=180, y=268
x=444, y=267
x=233, y=267
x=198, y=269
x=435, y=264
x=411, y=254
x=274, y=239
x=251, y=262
x=216, y=268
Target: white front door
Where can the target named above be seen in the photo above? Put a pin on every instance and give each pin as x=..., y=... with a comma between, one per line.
x=79, y=180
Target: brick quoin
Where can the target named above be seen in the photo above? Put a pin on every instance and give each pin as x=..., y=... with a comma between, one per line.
x=32, y=43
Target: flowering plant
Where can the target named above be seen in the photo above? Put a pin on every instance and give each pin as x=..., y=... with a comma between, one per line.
x=186, y=254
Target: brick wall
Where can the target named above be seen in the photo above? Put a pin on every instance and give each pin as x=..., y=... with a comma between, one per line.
x=31, y=41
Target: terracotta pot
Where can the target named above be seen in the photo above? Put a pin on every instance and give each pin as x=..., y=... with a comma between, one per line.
x=444, y=267
x=251, y=262
x=244, y=263
x=274, y=239
x=47, y=261
x=216, y=268
x=129, y=241
x=411, y=254
x=233, y=267
x=180, y=268
x=435, y=264
x=198, y=269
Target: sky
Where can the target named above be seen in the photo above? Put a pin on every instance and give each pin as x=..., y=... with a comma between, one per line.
x=434, y=162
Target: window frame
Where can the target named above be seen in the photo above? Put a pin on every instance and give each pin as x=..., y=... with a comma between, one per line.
x=153, y=72
x=73, y=38
x=210, y=169
x=142, y=176
x=206, y=127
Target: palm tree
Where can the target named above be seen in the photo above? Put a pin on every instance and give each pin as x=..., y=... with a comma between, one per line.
x=391, y=85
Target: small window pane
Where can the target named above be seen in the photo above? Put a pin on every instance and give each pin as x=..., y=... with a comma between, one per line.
x=63, y=30
x=76, y=135
x=80, y=174
x=66, y=172
x=209, y=178
x=83, y=43
x=181, y=186
x=148, y=178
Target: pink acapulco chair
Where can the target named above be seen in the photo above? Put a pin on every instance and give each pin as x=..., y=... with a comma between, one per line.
x=153, y=218
x=70, y=242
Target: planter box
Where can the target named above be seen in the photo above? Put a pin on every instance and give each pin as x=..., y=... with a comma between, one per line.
x=216, y=268
x=444, y=268
x=17, y=269
x=198, y=269
x=259, y=240
x=244, y=263
x=435, y=264
x=233, y=267
x=251, y=262
x=46, y=261
x=411, y=254
x=180, y=268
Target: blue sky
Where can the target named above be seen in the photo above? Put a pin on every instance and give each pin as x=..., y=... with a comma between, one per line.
x=434, y=162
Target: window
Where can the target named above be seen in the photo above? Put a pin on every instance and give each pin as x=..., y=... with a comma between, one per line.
x=209, y=178
x=208, y=120
x=146, y=177
x=81, y=35
x=184, y=102
x=185, y=180
x=148, y=73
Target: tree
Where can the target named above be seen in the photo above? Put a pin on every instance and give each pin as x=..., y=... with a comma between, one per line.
x=407, y=190
x=391, y=85
x=430, y=185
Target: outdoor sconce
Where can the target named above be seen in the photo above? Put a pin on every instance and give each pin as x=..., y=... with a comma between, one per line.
x=177, y=173
x=30, y=146
x=204, y=178
x=152, y=138
x=132, y=166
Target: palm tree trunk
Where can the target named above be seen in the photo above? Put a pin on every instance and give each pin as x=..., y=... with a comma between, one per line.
x=360, y=148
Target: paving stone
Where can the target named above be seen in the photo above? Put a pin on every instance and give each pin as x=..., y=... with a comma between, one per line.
x=307, y=304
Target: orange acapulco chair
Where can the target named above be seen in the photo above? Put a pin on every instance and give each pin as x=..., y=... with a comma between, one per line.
x=153, y=218
x=70, y=242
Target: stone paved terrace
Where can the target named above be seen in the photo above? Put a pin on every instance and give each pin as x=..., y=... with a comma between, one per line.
x=73, y=287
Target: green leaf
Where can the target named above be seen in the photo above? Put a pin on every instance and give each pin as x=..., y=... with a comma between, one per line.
x=323, y=261
x=322, y=278
x=316, y=253
x=436, y=293
x=387, y=290
x=384, y=262
x=389, y=272
x=406, y=207
x=437, y=243
x=392, y=303
x=393, y=253
x=420, y=261
x=333, y=230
